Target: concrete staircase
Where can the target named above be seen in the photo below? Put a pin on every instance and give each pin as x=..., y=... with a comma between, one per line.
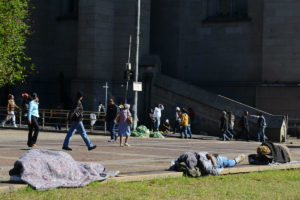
x=208, y=106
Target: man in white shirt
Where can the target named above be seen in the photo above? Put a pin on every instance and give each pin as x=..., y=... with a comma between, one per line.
x=157, y=116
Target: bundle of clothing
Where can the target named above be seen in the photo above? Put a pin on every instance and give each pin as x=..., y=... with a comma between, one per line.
x=268, y=153
x=48, y=169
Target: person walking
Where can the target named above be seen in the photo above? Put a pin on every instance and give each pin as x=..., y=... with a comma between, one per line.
x=33, y=116
x=244, y=124
x=25, y=104
x=111, y=115
x=76, y=117
x=11, y=106
x=224, y=127
x=157, y=115
x=231, y=120
x=124, y=121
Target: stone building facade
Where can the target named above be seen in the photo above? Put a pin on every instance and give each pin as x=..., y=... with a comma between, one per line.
x=246, y=50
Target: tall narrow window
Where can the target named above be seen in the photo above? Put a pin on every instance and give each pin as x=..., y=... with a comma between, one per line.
x=68, y=9
x=227, y=9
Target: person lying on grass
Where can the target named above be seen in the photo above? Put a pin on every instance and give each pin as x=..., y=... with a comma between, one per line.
x=196, y=164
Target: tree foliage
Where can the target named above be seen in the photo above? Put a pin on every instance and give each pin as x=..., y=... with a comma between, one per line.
x=14, y=30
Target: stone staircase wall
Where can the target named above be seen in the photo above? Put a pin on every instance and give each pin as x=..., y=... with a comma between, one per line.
x=208, y=106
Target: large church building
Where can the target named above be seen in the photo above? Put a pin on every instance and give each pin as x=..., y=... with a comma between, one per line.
x=246, y=50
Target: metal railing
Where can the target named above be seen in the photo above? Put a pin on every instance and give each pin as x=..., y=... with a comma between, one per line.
x=56, y=119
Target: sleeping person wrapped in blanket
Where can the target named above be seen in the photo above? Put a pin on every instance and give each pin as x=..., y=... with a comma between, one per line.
x=268, y=153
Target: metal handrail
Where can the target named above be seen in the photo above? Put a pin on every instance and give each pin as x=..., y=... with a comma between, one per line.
x=54, y=117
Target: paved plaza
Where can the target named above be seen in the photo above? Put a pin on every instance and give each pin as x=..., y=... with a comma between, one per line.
x=144, y=156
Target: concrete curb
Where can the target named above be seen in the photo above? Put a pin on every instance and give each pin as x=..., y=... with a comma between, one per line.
x=259, y=168
x=11, y=187
x=167, y=174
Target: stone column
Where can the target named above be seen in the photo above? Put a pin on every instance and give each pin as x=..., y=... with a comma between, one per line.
x=95, y=49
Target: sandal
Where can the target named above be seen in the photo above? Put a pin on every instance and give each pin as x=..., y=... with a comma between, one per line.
x=127, y=145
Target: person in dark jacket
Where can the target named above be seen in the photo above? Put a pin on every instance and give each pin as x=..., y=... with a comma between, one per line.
x=244, y=123
x=76, y=117
x=25, y=104
x=224, y=127
x=111, y=115
x=151, y=120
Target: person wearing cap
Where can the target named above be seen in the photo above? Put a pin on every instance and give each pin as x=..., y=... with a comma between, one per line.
x=11, y=106
x=25, y=104
x=76, y=117
x=33, y=115
x=166, y=126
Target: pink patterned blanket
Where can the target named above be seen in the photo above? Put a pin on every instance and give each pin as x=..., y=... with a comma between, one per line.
x=48, y=169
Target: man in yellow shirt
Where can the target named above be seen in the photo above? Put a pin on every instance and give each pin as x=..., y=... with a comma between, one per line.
x=184, y=124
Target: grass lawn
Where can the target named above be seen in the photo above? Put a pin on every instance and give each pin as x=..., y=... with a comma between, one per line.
x=284, y=184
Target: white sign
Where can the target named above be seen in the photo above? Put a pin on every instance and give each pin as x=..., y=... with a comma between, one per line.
x=137, y=86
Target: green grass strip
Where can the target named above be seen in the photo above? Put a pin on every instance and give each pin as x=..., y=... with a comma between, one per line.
x=281, y=184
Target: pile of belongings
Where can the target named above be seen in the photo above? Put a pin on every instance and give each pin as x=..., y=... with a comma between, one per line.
x=48, y=169
x=195, y=164
x=143, y=131
x=268, y=153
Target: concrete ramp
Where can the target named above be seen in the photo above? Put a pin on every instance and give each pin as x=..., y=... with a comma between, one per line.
x=207, y=106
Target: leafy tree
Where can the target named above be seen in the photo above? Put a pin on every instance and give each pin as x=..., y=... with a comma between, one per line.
x=14, y=30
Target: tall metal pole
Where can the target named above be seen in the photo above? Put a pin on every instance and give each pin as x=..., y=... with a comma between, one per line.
x=137, y=62
x=129, y=50
x=106, y=87
x=128, y=68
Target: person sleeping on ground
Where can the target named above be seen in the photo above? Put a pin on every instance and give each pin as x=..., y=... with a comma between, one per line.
x=196, y=164
x=269, y=152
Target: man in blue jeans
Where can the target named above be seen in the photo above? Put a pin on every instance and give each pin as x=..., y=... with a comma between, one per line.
x=205, y=162
x=76, y=117
x=261, y=126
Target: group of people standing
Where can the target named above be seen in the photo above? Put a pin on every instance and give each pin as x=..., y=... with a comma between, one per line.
x=182, y=121
x=227, y=123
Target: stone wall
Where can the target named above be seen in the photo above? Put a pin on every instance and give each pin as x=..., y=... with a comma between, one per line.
x=223, y=56
x=208, y=106
x=281, y=41
x=85, y=51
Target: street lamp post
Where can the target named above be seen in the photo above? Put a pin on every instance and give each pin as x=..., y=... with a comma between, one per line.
x=135, y=110
x=106, y=87
x=128, y=70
